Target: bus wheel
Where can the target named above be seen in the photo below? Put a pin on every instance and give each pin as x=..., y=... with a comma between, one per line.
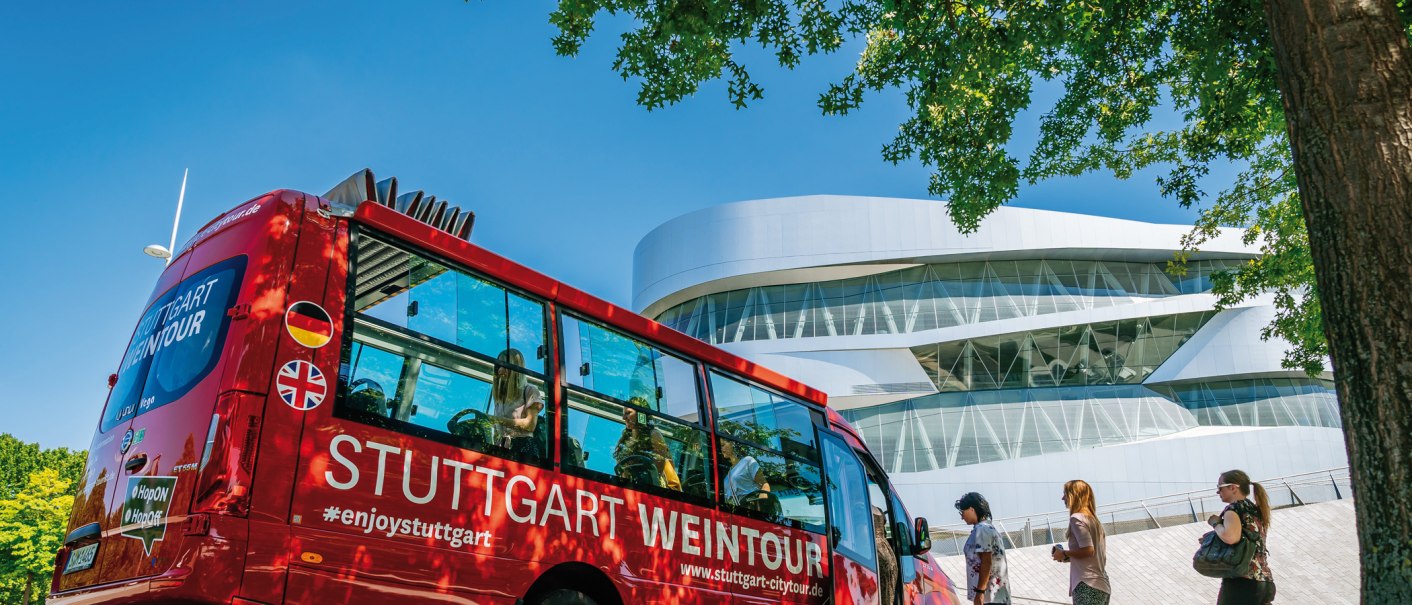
x=565, y=596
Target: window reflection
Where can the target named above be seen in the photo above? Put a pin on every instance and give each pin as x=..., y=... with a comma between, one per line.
x=444, y=354
x=375, y=380
x=607, y=362
x=849, y=502
x=627, y=445
x=764, y=484
x=758, y=416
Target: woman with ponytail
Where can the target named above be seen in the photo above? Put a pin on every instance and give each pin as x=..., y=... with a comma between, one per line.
x=1257, y=585
x=1088, y=575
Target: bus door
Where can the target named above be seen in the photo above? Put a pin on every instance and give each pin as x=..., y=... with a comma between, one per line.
x=855, y=558
x=896, y=569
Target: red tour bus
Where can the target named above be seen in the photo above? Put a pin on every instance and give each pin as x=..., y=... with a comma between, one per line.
x=339, y=399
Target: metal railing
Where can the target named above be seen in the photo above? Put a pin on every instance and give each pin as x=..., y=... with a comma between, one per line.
x=1149, y=513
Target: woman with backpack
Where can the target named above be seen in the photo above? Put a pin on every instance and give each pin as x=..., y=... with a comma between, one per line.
x=1087, y=553
x=1241, y=517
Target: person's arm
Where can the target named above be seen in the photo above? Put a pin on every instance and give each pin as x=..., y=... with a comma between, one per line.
x=1229, y=527
x=984, y=577
x=1079, y=553
x=760, y=478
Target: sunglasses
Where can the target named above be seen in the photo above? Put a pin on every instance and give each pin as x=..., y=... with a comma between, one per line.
x=1224, y=486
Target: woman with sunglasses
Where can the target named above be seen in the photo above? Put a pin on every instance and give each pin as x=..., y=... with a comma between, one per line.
x=1257, y=585
x=986, y=578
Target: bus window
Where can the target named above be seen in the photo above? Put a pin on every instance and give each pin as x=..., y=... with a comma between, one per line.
x=758, y=416
x=631, y=446
x=769, y=462
x=849, y=517
x=441, y=394
x=633, y=411
x=606, y=362
x=454, y=307
x=446, y=355
x=904, y=540
x=526, y=326
x=439, y=297
x=375, y=379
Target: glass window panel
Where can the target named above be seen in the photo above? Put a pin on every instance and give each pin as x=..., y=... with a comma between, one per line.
x=442, y=393
x=766, y=485
x=629, y=371
x=431, y=309
x=392, y=310
x=480, y=324
x=611, y=364
x=848, y=502
x=374, y=380
x=635, y=448
x=760, y=417
x=594, y=426
x=526, y=325
x=676, y=380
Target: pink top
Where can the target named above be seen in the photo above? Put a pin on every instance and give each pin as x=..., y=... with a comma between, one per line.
x=1089, y=570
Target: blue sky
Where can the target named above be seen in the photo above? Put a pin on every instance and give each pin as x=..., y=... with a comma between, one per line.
x=104, y=106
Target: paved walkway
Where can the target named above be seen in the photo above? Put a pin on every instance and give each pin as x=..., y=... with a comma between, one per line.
x=1313, y=553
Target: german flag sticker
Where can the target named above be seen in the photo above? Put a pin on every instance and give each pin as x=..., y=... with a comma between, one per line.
x=309, y=324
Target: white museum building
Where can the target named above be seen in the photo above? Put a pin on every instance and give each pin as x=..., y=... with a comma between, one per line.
x=1046, y=346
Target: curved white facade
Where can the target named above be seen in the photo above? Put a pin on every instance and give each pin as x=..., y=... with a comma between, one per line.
x=1044, y=345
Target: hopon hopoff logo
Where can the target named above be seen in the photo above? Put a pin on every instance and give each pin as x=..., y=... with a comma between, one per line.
x=301, y=385
x=145, y=506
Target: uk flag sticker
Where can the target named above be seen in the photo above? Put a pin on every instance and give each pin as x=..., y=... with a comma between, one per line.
x=301, y=385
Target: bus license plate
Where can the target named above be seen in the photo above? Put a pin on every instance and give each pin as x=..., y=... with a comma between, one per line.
x=82, y=558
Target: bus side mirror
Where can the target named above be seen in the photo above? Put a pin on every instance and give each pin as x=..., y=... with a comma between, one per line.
x=922, y=537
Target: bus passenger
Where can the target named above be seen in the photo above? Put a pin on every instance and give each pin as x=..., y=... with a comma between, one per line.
x=889, y=570
x=516, y=405
x=642, y=454
x=745, y=477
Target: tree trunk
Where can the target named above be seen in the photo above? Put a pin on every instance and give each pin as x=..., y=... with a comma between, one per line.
x=1345, y=76
x=29, y=586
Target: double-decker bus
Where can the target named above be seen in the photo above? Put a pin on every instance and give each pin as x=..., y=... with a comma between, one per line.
x=339, y=399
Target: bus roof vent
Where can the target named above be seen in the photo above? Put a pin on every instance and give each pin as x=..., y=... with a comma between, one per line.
x=362, y=187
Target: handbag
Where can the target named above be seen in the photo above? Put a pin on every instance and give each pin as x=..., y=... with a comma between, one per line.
x=1216, y=559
